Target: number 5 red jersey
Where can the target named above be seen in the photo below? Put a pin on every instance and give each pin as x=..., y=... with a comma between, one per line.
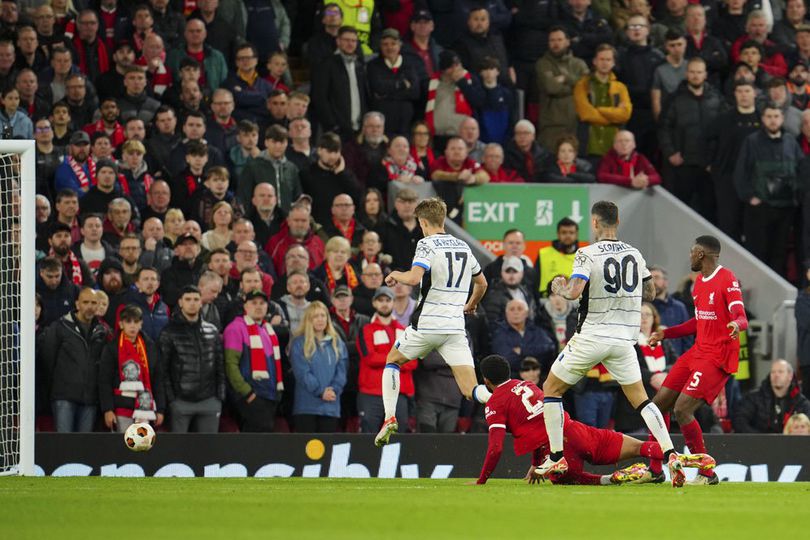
x=714, y=298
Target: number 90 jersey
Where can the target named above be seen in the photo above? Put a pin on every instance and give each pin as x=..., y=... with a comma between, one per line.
x=449, y=267
x=610, y=308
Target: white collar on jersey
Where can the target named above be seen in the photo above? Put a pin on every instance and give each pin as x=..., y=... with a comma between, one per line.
x=705, y=279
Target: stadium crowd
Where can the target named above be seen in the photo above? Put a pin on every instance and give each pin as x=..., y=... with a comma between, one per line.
x=213, y=227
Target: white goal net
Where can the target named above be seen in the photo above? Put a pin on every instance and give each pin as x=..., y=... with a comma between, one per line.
x=17, y=237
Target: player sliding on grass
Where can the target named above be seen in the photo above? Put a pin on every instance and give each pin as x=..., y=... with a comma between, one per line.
x=445, y=267
x=517, y=407
x=612, y=279
x=700, y=374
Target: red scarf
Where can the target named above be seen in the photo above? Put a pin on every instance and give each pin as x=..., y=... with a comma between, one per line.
x=147, y=182
x=188, y=7
x=628, y=166
x=805, y=144
x=191, y=184
x=258, y=358
x=348, y=271
x=394, y=171
x=566, y=170
x=117, y=137
x=348, y=232
x=75, y=267
x=78, y=170
x=431, y=157
x=101, y=51
x=133, y=369
x=122, y=180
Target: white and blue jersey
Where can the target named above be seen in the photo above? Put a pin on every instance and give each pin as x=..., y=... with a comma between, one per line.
x=449, y=268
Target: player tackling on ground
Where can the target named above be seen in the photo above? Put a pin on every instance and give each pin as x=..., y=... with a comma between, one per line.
x=612, y=279
x=700, y=374
x=445, y=267
x=517, y=407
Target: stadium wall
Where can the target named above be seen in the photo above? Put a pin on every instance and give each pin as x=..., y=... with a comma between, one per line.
x=757, y=458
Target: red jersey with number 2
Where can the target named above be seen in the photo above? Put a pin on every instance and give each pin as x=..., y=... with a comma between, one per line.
x=517, y=406
x=714, y=297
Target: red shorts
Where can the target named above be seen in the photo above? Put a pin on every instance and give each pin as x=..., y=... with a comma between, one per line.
x=697, y=374
x=589, y=444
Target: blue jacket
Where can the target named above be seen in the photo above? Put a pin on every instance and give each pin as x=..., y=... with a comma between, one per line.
x=64, y=177
x=673, y=312
x=313, y=375
x=534, y=342
x=21, y=125
x=154, y=320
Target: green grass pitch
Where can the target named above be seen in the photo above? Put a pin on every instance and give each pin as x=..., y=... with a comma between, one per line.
x=327, y=509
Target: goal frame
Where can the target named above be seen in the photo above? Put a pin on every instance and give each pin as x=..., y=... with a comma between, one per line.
x=26, y=149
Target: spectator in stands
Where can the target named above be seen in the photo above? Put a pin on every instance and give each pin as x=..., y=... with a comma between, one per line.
x=514, y=245
x=13, y=120
x=221, y=133
x=78, y=171
x=725, y=139
x=558, y=70
x=184, y=267
x=91, y=53
x=246, y=277
x=371, y=279
x=298, y=231
x=422, y=46
x=70, y=349
x=348, y=324
x=453, y=171
x=273, y=166
x=567, y=167
x=111, y=83
x=253, y=366
x=219, y=230
x=130, y=388
x=394, y=85
x=340, y=101
x=277, y=76
x=524, y=154
x=323, y=42
x=246, y=149
x=221, y=35
x=372, y=214
x=67, y=210
x=328, y=177
x=602, y=103
x=92, y=249
x=140, y=183
x=558, y=258
x=144, y=295
x=801, y=55
x=756, y=29
x=531, y=371
x=778, y=94
x=706, y=46
x=689, y=115
x=397, y=165
x=404, y=303
x=300, y=151
x=378, y=336
x=766, y=178
x=518, y=336
x=48, y=156
x=478, y=42
x=214, y=68
x=56, y=291
x=492, y=163
x=211, y=286
x=75, y=268
x=343, y=223
x=119, y=221
x=783, y=33
x=336, y=269
x=276, y=105
x=587, y=28
x=437, y=395
x=558, y=317
x=798, y=424
x=135, y=102
x=43, y=208
x=507, y=288
x=767, y=409
x=319, y=360
x=264, y=214
x=191, y=357
x=470, y=133
x=129, y=254
x=250, y=91
x=29, y=54
x=295, y=302
x=670, y=310
x=297, y=259
x=797, y=84
x=60, y=120
x=111, y=281
x=422, y=147
x=246, y=256
x=452, y=95
x=670, y=74
x=624, y=166
x=106, y=188
x=366, y=152
x=157, y=249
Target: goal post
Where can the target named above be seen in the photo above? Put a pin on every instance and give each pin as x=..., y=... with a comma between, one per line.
x=17, y=305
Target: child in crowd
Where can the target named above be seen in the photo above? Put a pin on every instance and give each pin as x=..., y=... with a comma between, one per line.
x=214, y=190
x=190, y=179
x=497, y=113
x=247, y=135
x=14, y=124
x=277, y=74
x=133, y=168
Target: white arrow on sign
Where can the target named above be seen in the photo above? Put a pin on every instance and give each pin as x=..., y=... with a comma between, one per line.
x=575, y=215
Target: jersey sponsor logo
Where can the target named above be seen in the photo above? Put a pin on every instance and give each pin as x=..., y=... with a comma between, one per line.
x=488, y=412
x=733, y=289
x=705, y=315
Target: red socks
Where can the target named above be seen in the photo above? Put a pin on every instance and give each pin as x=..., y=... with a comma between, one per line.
x=694, y=437
x=652, y=450
x=656, y=465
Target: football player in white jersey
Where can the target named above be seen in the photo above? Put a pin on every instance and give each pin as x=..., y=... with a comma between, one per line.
x=612, y=279
x=445, y=267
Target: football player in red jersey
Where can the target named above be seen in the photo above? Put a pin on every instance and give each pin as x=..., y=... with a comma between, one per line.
x=517, y=407
x=699, y=375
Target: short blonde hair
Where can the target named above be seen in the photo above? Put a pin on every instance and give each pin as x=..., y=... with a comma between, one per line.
x=337, y=243
x=133, y=146
x=432, y=210
x=794, y=420
x=220, y=204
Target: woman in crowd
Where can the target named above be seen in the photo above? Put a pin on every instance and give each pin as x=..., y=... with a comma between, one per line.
x=567, y=168
x=319, y=360
x=173, y=224
x=219, y=230
x=129, y=385
x=422, y=148
x=798, y=424
x=372, y=215
x=336, y=269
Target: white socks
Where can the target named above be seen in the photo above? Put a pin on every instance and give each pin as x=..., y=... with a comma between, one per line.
x=390, y=389
x=554, y=417
x=481, y=393
x=655, y=423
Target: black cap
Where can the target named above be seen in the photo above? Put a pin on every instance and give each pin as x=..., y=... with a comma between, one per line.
x=255, y=293
x=529, y=363
x=186, y=238
x=421, y=15
x=110, y=264
x=448, y=59
x=100, y=164
x=79, y=137
x=187, y=61
x=59, y=227
x=342, y=290
x=383, y=291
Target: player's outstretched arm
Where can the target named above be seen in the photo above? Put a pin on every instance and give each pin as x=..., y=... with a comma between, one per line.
x=479, y=288
x=494, y=449
x=412, y=277
x=570, y=289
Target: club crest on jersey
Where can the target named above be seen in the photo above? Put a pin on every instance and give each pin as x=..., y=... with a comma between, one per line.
x=711, y=298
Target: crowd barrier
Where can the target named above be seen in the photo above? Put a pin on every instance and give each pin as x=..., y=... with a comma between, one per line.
x=757, y=458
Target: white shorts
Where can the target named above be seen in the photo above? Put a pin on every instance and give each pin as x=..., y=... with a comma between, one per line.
x=581, y=354
x=454, y=348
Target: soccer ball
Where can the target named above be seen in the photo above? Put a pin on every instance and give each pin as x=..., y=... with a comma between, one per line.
x=139, y=437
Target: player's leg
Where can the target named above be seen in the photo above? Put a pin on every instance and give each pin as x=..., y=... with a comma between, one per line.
x=390, y=394
x=455, y=349
x=685, y=408
x=665, y=399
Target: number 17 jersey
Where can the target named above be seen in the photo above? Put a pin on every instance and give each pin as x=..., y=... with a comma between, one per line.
x=610, y=308
x=449, y=268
